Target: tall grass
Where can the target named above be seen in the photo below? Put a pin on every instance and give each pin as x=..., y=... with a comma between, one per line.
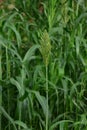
x=0, y=86
x=43, y=65
x=45, y=51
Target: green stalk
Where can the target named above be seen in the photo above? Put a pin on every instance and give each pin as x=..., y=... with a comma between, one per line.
x=20, y=94
x=45, y=50
x=0, y=88
x=8, y=76
x=47, y=113
x=19, y=110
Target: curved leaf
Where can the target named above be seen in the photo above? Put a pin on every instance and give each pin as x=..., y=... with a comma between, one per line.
x=30, y=53
x=7, y=116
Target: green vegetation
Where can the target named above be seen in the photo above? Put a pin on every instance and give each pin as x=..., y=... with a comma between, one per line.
x=43, y=65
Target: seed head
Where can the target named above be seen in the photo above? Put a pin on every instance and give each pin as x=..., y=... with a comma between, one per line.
x=45, y=47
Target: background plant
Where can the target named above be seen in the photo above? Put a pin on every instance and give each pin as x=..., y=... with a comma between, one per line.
x=37, y=93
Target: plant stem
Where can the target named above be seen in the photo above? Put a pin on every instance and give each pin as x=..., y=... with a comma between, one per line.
x=8, y=77
x=19, y=110
x=0, y=88
x=47, y=113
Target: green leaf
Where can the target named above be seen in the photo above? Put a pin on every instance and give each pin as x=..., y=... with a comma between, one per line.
x=20, y=123
x=54, y=125
x=42, y=101
x=17, y=34
x=7, y=116
x=16, y=83
x=29, y=53
x=77, y=45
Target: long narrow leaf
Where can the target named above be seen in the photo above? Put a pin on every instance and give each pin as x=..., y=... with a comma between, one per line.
x=7, y=116
x=59, y=122
x=30, y=52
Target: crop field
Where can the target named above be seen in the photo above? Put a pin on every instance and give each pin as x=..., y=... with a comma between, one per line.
x=43, y=64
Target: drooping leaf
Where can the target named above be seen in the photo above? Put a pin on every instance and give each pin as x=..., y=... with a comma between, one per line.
x=16, y=83
x=20, y=123
x=54, y=125
x=29, y=53
x=7, y=116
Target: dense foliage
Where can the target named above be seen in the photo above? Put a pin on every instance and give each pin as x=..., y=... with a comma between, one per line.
x=43, y=65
